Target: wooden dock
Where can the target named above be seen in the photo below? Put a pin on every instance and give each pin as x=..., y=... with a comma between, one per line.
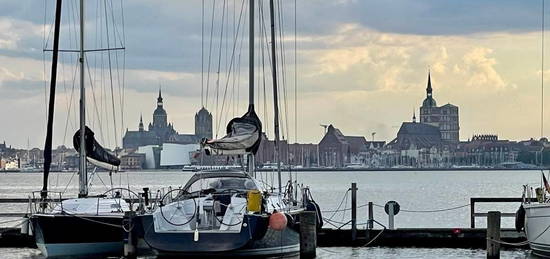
x=403, y=237
x=416, y=237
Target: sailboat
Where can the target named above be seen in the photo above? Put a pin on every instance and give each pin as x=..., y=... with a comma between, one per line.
x=87, y=225
x=229, y=213
x=533, y=216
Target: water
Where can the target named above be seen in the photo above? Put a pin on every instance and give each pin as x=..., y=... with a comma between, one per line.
x=414, y=190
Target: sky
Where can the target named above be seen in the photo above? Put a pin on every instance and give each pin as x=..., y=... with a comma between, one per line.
x=360, y=65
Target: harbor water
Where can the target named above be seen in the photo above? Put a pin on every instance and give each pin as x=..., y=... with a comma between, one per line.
x=428, y=199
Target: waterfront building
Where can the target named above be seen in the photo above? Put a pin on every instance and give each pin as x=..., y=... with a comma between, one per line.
x=444, y=117
x=132, y=161
x=337, y=150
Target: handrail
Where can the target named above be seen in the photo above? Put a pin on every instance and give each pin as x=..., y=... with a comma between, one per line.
x=475, y=200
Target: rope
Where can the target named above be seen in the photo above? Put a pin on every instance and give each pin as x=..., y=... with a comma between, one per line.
x=342, y=223
x=428, y=211
x=378, y=235
x=526, y=242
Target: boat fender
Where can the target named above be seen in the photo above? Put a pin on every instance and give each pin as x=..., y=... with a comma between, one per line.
x=25, y=225
x=277, y=221
x=520, y=219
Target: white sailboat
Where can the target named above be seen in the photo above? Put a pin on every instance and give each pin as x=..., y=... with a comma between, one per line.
x=87, y=225
x=533, y=216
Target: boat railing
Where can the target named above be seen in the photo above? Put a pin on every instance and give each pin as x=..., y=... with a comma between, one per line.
x=539, y=195
x=38, y=203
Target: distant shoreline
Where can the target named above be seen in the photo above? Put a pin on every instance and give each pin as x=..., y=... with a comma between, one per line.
x=322, y=170
x=400, y=169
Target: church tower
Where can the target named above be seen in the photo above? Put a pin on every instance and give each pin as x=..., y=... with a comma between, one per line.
x=203, y=124
x=444, y=117
x=428, y=110
x=160, y=118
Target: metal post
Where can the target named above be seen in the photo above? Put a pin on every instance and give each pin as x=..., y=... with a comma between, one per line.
x=472, y=213
x=391, y=214
x=493, y=234
x=308, y=234
x=353, y=211
x=370, y=223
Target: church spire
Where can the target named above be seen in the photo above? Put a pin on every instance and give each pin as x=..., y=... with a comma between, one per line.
x=429, y=87
x=159, y=99
x=414, y=117
x=141, y=128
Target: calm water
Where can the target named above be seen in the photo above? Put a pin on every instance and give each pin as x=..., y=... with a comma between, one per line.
x=419, y=191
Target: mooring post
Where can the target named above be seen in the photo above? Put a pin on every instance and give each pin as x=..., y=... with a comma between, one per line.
x=370, y=222
x=391, y=214
x=308, y=234
x=129, y=242
x=493, y=234
x=353, y=212
x=472, y=213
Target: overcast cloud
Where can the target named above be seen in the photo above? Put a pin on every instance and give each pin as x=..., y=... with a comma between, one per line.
x=369, y=58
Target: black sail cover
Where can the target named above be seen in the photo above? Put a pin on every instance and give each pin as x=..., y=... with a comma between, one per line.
x=95, y=152
x=242, y=136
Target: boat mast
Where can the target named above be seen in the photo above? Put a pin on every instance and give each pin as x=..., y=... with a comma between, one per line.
x=275, y=95
x=250, y=160
x=51, y=105
x=82, y=174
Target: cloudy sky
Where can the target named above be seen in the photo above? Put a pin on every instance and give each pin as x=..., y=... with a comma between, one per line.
x=361, y=65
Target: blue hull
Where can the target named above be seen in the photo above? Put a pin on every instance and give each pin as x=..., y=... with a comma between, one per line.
x=254, y=239
x=59, y=235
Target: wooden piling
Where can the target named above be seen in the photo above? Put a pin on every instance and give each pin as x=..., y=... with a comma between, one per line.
x=353, y=212
x=130, y=240
x=308, y=234
x=493, y=234
x=370, y=222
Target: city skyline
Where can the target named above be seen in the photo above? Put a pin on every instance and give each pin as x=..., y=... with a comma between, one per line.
x=371, y=58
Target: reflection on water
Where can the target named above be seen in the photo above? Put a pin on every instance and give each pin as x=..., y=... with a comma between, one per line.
x=341, y=252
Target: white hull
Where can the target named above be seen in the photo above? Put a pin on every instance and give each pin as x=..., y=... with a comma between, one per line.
x=537, y=227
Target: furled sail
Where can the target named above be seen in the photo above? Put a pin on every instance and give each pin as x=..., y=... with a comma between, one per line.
x=242, y=136
x=95, y=153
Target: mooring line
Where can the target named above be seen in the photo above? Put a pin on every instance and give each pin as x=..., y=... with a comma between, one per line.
x=526, y=242
x=403, y=210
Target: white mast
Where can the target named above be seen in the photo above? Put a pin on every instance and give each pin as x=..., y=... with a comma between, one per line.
x=82, y=174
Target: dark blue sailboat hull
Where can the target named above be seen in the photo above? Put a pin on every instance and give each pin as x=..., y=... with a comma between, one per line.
x=254, y=239
x=59, y=235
